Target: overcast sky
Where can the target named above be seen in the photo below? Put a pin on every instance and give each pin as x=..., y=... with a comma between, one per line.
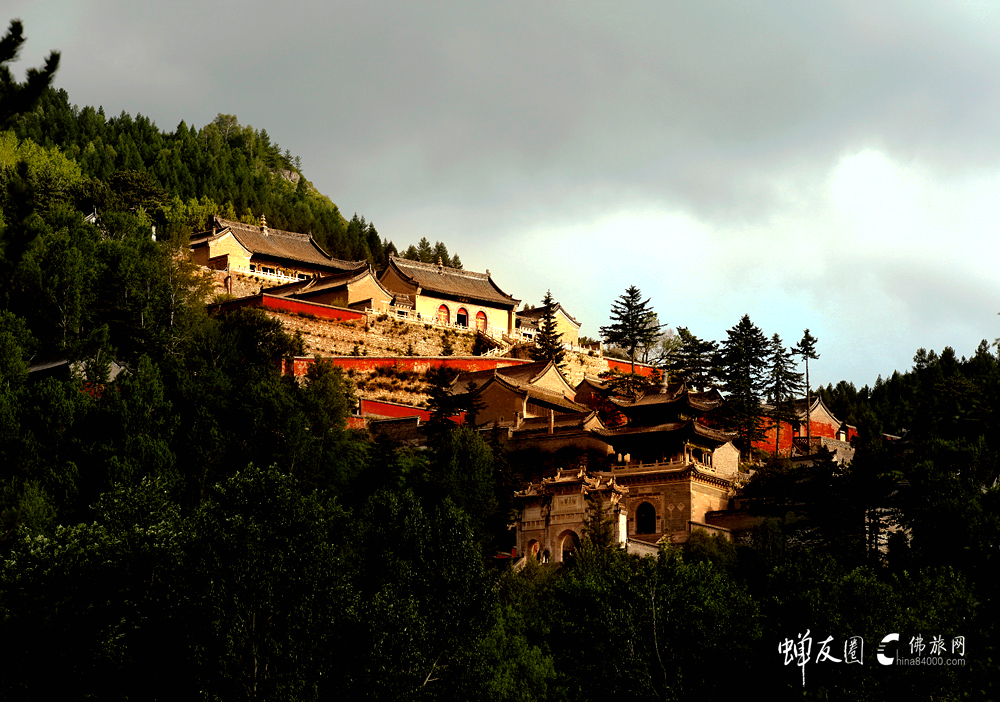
x=825, y=165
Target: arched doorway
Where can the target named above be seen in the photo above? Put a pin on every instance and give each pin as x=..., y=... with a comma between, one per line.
x=462, y=317
x=533, y=548
x=645, y=519
x=481, y=321
x=567, y=544
x=444, y=315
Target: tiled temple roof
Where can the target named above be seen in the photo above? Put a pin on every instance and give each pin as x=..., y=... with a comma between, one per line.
x=535, y=314
x=522, y=374
x=452, y=281
x=321, y=284
x=274, y=243
x=693, y=427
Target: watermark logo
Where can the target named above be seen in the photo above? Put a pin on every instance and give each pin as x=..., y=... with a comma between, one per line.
x=880, y=656
x=854, y=650
x=800, y=651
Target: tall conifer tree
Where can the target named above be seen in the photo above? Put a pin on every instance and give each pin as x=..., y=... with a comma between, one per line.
x=633, y=323
x=807, y=349
x=695, y=362
x=548, y=343
x=15, y=97
x=745, y=354
x=783, y=384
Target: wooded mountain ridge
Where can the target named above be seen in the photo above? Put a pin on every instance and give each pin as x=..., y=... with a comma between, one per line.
x=202, y=527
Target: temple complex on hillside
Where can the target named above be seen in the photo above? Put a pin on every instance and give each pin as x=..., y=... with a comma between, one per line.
x=668, y=467
x=655, y=466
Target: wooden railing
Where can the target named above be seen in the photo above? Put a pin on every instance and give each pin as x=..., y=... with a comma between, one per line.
x=637, y=466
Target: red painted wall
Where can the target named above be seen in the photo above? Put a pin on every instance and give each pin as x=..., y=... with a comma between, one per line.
x=818, y=429
x=785, y=446
x=420, y=364
x=285, y=304
x=626, y=367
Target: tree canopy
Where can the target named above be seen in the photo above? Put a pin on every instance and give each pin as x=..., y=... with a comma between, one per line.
x=783, y=387
x=15, y=97
x=633, y=323
x=548, y=342
x=745, y=354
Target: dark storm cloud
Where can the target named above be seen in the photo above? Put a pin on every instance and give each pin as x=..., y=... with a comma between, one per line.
x=695, y=99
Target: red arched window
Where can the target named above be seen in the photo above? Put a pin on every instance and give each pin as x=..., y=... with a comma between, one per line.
x=462, y=317
x=444, y=316
x=481, y=321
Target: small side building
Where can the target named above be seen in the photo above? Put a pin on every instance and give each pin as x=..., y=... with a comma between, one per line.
x=356, y=289
x=515, y=393
x=529, y=322
x=826, y=430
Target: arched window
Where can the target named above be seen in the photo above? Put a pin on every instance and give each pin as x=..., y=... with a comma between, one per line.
x=481, y=321
x=645, y=519
x=444, y=315
x=462, y=317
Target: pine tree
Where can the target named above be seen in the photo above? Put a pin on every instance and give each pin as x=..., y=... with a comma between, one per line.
x=425, y=251
x=807, y=349
x=441, y=254
x=745, y=355
x=15, y=97
x=783, y=384
x=633, y=323
x=695, y=362
x=548, y=343
x=471, y=404
x=442, y=403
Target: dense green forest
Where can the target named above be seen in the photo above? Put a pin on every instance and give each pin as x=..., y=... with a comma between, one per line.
x=201, y=527
x=178, y=179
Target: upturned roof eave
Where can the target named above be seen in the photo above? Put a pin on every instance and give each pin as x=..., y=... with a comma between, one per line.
x=422, y=286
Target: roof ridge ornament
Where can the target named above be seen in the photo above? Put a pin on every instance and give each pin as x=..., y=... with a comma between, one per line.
x=263, y=224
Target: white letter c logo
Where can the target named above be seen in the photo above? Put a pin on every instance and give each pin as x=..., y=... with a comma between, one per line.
x=883, y=659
